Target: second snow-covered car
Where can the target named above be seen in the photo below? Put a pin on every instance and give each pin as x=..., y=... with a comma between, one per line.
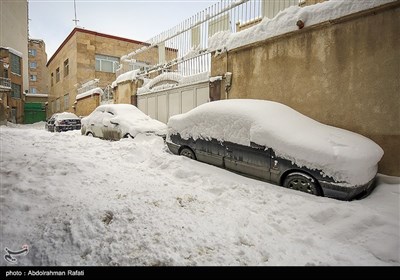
x=273, y=142
x=116, y=121
x=63, y=122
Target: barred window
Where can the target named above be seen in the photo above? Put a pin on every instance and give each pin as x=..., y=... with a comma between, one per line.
x=15, y=64
x=15, y=90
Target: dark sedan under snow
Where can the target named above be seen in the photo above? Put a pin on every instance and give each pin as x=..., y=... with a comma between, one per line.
x=272, y=142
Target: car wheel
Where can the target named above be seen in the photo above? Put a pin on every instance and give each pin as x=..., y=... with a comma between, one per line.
x=187, y=152
x=128, y=136
x=302, y=182
x=90, y=134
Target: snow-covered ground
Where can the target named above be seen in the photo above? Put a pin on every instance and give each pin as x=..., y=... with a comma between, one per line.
x=77, y=200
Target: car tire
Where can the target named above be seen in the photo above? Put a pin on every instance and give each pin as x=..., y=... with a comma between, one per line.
x=128, y=136
x=187, y=152
x=302, y=182
x=90, y=134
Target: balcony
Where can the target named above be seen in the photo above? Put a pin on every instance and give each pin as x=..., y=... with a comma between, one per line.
x=5, y=84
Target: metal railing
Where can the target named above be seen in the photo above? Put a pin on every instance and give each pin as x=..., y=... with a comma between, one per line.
x=88, y=86
x=190, y=38
x=5, y=83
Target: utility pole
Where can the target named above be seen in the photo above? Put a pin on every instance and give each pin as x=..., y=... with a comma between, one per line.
x=75, y=20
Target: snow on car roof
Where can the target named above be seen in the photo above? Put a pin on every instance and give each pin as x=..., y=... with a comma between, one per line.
x=123, y=109
x=344, y=155
x=66, y=115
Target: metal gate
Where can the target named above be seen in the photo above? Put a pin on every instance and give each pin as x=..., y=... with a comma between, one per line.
x=34, y=112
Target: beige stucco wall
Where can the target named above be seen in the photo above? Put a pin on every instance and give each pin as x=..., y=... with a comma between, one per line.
x=84, y=106
x=81, y=50
x=124, y=92
x=14, y=31
x=344, y=73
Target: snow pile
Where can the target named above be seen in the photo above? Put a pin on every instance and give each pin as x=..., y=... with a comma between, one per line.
x=344, y=155
x=77, y=200
x=128, y=76
x=285, y=21
x=90, y=93
x=128, y=117
x=172, y=80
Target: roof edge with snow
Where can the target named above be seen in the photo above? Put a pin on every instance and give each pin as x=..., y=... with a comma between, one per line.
x=95, y=91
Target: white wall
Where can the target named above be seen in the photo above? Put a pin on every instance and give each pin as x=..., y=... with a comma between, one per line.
x=164, y=104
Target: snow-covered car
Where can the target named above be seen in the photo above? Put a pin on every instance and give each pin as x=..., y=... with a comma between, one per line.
x=63, y=122
x=116, y=121
x=273, y=142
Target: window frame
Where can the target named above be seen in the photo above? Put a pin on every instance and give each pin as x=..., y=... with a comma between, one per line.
x=66, y=67
x=58, y=74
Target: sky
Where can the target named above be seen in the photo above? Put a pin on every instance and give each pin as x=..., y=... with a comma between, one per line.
x=52, y=20
x=149, y=207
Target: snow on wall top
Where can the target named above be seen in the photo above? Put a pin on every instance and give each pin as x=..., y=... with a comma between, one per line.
x=175, y=77
x=89, y=92
x=128, y=76
x=285, y=21
x=36, y=94
x=11, y=50
x=344, y=155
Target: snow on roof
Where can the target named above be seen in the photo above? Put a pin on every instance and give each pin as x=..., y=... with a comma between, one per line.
x=171, y=76
x=89, y=92
x=128, y=76
x=36, y=95
x=285, y=21
x=343, y=155
x=11, y=50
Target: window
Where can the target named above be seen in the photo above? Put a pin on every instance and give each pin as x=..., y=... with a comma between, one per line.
x=33, y=78
x=106, y=63
x=32, y=52
x=15, y=64
x=15, y=90
x=57, y=74
x=32, y=64
x=66, y=68
x=58, y=109
x=51, y=79
x=66, y=101
x=32, y=90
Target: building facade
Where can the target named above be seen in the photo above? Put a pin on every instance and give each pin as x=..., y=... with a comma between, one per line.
x=13, y=59
x=37, y=59
x=87, y=56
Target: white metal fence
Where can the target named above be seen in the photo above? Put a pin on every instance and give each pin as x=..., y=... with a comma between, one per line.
x=190, y=37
